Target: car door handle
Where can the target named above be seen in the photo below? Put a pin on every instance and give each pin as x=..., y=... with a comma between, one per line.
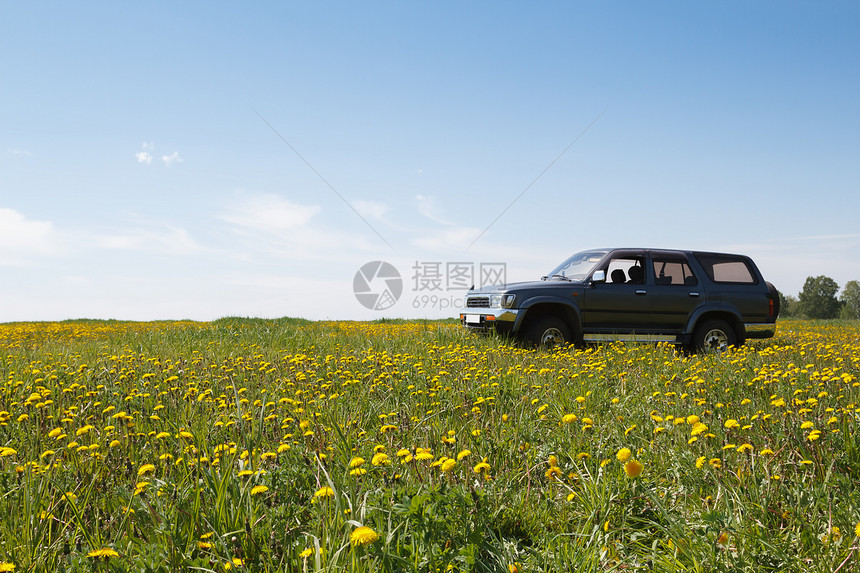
x=694, y=294
x=641, y=292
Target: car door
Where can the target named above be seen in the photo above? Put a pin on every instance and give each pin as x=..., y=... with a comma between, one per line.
x=620, y=304
x=676, y=291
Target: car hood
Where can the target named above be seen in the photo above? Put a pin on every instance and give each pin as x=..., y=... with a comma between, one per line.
x=525, y=285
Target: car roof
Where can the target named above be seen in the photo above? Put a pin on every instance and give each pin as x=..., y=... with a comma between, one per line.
x=667, y=251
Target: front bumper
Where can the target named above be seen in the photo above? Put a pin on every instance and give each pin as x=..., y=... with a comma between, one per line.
x=486, y=318
x=760, y=330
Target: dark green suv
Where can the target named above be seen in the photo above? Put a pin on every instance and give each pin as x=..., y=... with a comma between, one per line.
x=696, y=299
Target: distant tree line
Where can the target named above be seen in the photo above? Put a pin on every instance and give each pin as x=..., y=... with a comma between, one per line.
x=818, y=299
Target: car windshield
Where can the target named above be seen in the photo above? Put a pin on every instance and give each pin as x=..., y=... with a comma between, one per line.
x=577, y=267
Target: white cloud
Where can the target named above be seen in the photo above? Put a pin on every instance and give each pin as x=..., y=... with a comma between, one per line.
x=270, y=213
x=171, y=159
x=269, y=227
x=427, y=206
x=22, y=238
x=144, y=157
x=370, y=209
x=19, y=152
x=156, y=238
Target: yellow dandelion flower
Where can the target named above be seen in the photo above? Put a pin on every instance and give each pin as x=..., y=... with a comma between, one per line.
x=448, y=465
x=698, y=428
x=145, y=468
x=356, y=462
x=105, y=552
x=306, y=553
x=553, y=473
x=324, y=492
x=357, y=472
x=4, y=566
x=715, y=463
x=482, y=467
x=633, y=468
x=731, y=423
x=623, y=455
x=363, y=536
x=857, y=530
x=84, y=430
x=380, y=459
x=569, y=418
x=256, y=490
x=463, y=454
x=744, y=448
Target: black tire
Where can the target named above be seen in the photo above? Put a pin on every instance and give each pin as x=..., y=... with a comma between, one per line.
x=548, y=331
x=714, y=336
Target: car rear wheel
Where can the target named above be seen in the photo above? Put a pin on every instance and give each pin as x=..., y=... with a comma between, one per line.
x=549, y=332
x=714, y=336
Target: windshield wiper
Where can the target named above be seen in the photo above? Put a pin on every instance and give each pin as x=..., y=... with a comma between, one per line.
x=562, y=277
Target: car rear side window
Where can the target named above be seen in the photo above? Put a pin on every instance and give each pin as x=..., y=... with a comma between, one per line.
x=673, y=271
x=727, y=269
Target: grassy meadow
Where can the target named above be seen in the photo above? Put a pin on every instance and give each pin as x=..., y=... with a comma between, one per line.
x=287, y=445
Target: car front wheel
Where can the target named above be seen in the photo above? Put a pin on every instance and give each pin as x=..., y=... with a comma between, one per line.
x=714, y=336
x=549, y=332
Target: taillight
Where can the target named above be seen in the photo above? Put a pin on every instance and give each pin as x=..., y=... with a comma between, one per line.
x=770, y=308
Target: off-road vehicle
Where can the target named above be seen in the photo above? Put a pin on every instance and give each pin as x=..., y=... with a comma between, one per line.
x=697, y=299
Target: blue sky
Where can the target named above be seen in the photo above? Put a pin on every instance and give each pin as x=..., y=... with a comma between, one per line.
x=200, y=160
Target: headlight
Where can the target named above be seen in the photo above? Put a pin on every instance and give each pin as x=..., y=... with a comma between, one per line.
x=502, y=300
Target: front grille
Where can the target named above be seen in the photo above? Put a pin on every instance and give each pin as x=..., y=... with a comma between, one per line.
x=478, y=302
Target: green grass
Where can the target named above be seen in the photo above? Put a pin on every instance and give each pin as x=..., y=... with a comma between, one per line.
x=220, y=409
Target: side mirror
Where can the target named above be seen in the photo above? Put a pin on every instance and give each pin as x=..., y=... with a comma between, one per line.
x=598, y=277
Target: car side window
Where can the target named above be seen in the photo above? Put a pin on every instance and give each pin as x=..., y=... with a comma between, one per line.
x=673, y=271
x=726, y=268
x=626, y=270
